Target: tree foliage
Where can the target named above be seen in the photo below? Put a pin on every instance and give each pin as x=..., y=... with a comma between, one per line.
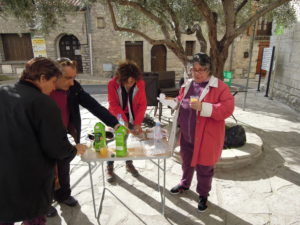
x=37, y=14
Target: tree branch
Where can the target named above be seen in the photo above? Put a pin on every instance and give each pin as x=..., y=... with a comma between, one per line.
x=147, y=13
x=257, y=15
x=238, y=9
x=201, y=39
x=228, y=8
x=175, y=21
x=123, y=29
x=210, y=18
x=199, y=35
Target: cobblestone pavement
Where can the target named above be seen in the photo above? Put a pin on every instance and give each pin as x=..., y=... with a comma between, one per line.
x=266, y=192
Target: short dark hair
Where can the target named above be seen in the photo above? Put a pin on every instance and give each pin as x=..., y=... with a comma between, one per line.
x=128, y=69
x=38, y=66
x=64, y=61
x=203, y=59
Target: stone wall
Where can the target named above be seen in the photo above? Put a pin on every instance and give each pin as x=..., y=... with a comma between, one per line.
x=106, y=42
x=286, y=76
x=240, y=64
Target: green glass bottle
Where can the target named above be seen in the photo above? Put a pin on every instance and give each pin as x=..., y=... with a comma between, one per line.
x=100, y=136
x=121, y=141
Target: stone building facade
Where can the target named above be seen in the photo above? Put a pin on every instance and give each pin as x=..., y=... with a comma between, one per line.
x=286, y=76
x=97, y=45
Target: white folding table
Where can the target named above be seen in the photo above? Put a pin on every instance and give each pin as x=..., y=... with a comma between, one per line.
x=137, y=150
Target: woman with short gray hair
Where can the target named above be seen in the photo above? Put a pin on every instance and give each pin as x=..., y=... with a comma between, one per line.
x=204, y=102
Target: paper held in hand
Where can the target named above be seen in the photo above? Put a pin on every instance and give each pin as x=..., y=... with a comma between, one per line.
x=167, y=102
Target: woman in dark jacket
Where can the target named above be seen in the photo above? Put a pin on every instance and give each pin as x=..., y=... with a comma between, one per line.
x=32, y=138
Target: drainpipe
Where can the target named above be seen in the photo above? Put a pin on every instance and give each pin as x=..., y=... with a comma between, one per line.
x=89, y=36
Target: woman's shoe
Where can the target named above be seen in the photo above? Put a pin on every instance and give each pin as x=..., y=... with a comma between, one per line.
x=178, y=189
x=110, y=175
x=51, y=212
x=70, y=201
x=131, y=169
x=202, y=205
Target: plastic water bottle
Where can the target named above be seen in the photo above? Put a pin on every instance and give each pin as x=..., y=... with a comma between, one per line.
x=121, y=141
x=120, y=119
x=157, y=136
x=100, y=136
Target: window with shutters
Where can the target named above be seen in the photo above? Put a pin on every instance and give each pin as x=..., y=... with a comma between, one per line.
x=189, y=48
x=17, y=47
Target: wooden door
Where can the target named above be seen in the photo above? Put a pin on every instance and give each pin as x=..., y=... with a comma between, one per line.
x=134, y=52
x=69, y=46
x=261, y=46
x=17, y=47
x=158, y=58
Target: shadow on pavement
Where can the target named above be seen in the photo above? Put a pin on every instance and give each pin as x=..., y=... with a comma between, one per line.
x=270, y=163
x=214, y=215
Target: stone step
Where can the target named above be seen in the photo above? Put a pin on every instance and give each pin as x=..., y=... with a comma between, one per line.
x=235, y=158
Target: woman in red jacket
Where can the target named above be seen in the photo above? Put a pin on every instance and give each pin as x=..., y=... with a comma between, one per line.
x=204, y=103
x=127, y=99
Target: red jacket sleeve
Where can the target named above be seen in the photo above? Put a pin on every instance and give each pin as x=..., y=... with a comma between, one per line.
x=114, y=102
x=141, y=105
x=224, y=108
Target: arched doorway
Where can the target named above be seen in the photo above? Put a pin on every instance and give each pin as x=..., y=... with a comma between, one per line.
x=69, y=46
x=158, y=58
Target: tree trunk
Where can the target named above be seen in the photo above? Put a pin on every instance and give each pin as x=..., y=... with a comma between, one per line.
x=218, y=59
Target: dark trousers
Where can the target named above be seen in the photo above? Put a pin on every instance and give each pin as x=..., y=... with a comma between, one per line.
x=41, y=220
x=63, y=167
x=204, y=173
x=111, y=163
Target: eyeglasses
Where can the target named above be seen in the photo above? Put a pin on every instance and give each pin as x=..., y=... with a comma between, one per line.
x=199, y=70
x=66, y=62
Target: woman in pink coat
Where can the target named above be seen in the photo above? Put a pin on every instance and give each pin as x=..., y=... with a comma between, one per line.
x=202, y=126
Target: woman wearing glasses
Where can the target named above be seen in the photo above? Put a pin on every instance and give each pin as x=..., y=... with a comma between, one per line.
x=204, y=102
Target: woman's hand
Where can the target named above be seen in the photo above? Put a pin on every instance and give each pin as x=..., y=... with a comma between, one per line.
x=196, y=105
x=137, y=129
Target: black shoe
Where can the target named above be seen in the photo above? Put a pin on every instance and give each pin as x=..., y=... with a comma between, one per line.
x=131, y=169
x=110, y=175
x=51, y=212
x=178, y=189
x=70, y=201
x=202, y=205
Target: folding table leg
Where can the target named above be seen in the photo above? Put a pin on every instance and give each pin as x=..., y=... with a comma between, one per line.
x=164, y=188
x=158, y=175
x=92, y=187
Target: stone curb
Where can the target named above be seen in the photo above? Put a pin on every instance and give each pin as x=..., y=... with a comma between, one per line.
x=236, y=158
